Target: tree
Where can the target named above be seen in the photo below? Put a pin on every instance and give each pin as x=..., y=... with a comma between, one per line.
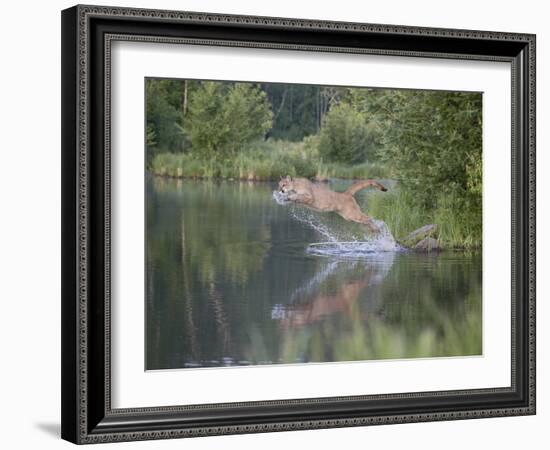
x=435, y=144
x=379, y=107
x=299, y=108
x=247, y=114
x=162, y=116
x=150, y=138
x=345, y=135
x=223, y=117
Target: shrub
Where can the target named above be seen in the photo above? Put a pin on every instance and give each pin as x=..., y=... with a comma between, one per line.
x=223, y=118
x=344, y=136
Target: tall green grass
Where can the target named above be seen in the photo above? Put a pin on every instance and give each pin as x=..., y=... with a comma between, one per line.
x=263, y=161
x=457, y=228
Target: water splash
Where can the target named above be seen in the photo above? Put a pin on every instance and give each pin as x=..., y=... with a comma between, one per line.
x=342, y=239
x=281, y=198
x=319, y=224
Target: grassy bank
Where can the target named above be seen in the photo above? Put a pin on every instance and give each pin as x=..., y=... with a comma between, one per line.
x=458, y=229
x=264, y=161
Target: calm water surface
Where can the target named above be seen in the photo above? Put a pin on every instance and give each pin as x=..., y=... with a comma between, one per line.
x=230, y=281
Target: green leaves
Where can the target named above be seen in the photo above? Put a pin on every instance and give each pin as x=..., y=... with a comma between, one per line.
x=223, y=118
x=345, y=135
x=150, y=138
x=162, y=113
x=433, y=142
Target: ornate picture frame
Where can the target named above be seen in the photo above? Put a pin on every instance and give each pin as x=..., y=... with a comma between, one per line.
x=88, y=33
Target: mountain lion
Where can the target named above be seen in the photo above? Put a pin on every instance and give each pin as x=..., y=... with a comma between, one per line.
x=319, y=197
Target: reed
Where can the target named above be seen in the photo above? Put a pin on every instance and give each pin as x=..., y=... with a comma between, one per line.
x=458, y=229
x=263, y=161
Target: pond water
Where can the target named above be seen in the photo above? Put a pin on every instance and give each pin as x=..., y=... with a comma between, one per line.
x=234, y=278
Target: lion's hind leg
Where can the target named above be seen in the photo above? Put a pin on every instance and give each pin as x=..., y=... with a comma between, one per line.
x=359, y=217
x=366, y=220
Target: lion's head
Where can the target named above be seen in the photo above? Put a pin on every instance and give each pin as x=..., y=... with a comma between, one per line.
x=286, y=185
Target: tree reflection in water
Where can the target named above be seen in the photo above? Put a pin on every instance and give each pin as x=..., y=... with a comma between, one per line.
x=229, y=282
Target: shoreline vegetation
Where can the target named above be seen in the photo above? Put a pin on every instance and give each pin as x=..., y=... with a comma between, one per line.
x=265, y=161
x=428, y=141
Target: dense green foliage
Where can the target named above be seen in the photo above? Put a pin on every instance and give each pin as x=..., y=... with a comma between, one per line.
x=162, y=98
x=433, y=141
x=223, y=118
x=429, y=141
x=344, y=136
x=299, y=109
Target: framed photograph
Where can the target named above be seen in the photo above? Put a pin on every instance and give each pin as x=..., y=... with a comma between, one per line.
x=279, y=224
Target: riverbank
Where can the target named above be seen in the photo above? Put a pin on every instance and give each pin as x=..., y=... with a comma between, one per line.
x=264, y=161
x=456, y=229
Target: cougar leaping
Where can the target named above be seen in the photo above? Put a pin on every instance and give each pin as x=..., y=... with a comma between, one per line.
x=319, y=197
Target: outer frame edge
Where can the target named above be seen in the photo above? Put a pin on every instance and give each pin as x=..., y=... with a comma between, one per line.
x=69, y=325
x=82, y=13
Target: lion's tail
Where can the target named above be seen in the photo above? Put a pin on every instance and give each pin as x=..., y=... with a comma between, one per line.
x=356, y=187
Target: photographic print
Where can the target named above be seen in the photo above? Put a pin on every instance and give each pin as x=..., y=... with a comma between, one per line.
x=294, y=224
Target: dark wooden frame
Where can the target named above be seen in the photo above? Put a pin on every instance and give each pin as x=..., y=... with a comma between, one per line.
x=87, y=32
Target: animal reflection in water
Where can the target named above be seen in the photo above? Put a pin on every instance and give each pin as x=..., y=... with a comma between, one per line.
x=336, y=291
